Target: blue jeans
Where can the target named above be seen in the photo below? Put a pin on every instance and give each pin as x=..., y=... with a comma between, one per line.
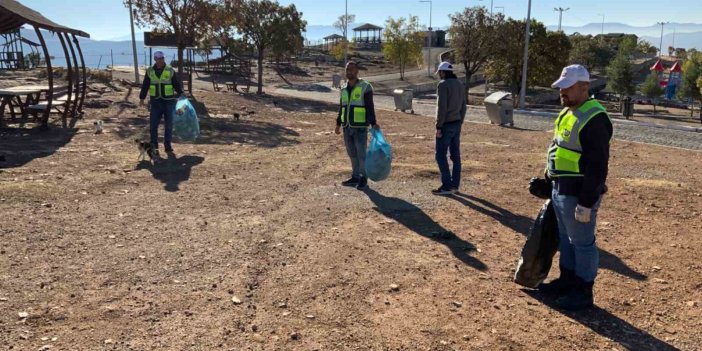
x=356, y=140
x=450, y=141
x=166, y=109
x=577, y=240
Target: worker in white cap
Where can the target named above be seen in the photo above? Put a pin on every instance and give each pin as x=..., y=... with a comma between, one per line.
x=577, y=165
x=451, y=108
x=162, y=85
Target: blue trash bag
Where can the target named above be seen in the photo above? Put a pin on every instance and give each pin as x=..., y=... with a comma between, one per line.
x=378, y=157
x=186, y=126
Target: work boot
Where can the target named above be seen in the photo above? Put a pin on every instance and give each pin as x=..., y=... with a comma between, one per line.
x=579, y=297
x=353, y=181
x=362, y=183
x=559, y=286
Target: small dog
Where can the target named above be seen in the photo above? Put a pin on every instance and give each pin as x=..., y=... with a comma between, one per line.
x=145, y=149
x=98, y=127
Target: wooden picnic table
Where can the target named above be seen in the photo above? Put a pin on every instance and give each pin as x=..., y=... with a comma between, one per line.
x=20, y=96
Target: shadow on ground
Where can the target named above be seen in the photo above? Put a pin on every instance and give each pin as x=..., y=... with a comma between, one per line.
x=522, y=225
x=610, y=326
x=19, y=146
x=419, y=222
x=173, y=170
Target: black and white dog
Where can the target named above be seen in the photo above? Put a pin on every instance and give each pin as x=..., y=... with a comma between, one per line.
x=145, y=149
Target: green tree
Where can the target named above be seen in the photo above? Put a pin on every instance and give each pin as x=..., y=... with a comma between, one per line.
x=652, y=89
x=474, y=38
x=691, y=86
x=338, y=50
x=645, y=47
x=620, y=76
x=548, y=54
x=590, y=52
x=403, y=43
x=627, y=46
x=268, y=26
x=188, y=20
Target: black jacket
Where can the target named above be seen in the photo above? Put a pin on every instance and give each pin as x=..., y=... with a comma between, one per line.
x=594, y=163
x=177, y=85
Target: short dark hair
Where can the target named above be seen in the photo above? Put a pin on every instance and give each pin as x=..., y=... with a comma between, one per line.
x=351, y=63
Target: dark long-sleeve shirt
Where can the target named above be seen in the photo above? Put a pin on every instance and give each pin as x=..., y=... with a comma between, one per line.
x=177, y=85
x=594, y=163
x=367, y=101
x=450, y=102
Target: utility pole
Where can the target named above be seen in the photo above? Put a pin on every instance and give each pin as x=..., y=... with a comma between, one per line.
x=430, y=36
x=660, y=48
x=134, y=50
x=560, y=15
x=522, y=93
x=346, y=34
x=603, y=16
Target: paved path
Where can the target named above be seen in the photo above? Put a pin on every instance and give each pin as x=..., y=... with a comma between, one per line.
x=687, y=138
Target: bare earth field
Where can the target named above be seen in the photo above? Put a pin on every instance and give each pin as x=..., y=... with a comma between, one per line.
x=245, y=240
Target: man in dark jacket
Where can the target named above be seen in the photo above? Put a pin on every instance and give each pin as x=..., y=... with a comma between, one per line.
x=577, y=164
x=450, y=112
x=356, y=113
x=161, y=83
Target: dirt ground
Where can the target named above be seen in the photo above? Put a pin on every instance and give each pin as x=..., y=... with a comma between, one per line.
x=245, y=240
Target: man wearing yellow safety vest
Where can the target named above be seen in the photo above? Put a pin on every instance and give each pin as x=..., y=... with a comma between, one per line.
x=356, y=113
x=577, y=165
x=162, y=85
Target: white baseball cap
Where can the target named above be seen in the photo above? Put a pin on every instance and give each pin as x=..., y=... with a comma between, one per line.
x=445, y=66
x=158, y=54
x=571, y=75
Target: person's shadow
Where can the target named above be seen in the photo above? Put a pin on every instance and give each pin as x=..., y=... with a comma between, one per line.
x=173, y=170
x=419, y=222
x=522, y=225
x=609, y=326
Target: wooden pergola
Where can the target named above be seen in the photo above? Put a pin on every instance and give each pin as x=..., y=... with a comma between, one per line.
x=331, y=40
x=368, y=36
x=13, y=16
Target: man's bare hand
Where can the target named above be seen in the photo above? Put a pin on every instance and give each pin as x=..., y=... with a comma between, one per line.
x=337, y=130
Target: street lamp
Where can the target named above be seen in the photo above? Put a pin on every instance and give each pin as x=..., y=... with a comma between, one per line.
x=560, y=15
x=660, y=48
x=429, y=48
x=134, y=50
x=522, y=92
x=346, y=33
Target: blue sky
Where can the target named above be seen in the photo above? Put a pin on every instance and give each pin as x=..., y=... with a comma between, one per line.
x=107, y=19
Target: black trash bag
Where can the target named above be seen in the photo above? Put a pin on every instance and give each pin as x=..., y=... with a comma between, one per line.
x=540, y=187
x=539, y=249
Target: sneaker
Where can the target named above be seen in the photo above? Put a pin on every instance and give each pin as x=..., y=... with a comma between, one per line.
x=169, y=151
x=353, y=181
x=443, y=191
x=362, y=183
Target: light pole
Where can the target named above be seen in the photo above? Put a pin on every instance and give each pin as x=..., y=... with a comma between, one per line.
x=602, y=14
x=660, y=48
x=346, y=33
x=560, y=15
x=429, y=46
x=134, y=51
x=522, y=91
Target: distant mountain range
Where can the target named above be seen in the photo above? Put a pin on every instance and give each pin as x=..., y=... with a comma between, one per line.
x=97, y=52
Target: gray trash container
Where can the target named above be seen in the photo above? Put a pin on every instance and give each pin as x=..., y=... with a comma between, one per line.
x=403, y=99
x=627, y=107
x=336, y=81
x=499, y=108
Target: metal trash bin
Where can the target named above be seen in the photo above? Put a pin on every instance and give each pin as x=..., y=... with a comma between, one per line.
x=403, y=99
x=499, y=108
x=336, y=81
